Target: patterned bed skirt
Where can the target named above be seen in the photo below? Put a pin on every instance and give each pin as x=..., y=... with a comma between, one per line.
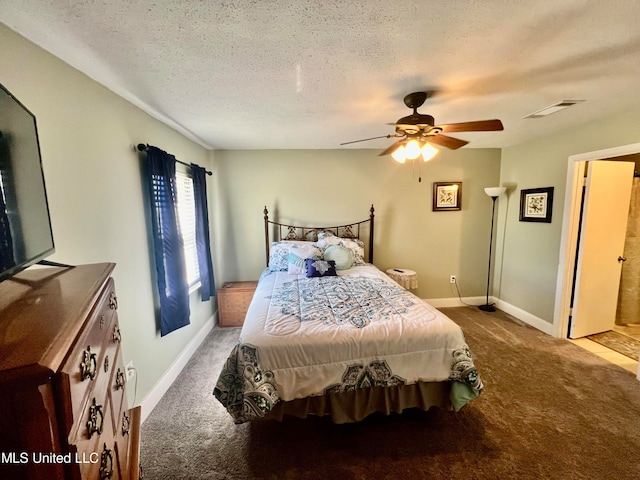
x=353, y=406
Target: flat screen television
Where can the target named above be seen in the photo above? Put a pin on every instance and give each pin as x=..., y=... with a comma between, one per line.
x=25, y=225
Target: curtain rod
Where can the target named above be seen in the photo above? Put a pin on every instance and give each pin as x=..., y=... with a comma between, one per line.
x=143, y=148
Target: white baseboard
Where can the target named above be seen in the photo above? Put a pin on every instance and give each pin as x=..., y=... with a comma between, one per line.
x=526, y=317
x=522, y=315
x=457, y=302
x=160, y=388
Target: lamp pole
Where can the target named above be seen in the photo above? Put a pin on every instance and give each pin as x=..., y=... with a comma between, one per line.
x=494, y=193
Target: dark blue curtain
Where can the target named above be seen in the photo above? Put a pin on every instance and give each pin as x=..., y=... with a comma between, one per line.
x=208, y=285
x=168, y=246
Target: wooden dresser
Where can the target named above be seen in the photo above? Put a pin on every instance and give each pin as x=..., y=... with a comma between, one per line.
x=63, y=403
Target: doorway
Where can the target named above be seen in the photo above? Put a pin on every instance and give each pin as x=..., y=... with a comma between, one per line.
x=570, y=228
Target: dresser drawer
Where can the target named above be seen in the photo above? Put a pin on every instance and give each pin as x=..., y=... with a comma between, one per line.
x=117, y=388
x=88, y=367
x=90, y=446
x=127, y=443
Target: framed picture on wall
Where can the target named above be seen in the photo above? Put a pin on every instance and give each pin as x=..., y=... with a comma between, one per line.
x=536, y=204
x=447, y=196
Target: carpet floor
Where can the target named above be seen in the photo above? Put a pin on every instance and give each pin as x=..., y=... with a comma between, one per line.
x=550, y=410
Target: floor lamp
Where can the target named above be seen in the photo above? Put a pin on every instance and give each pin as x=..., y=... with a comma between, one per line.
x=494, y=193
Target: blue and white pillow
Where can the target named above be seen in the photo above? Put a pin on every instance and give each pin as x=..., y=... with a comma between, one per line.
x=320, y=268
x=278, y=256
x=298, y=253
x=339, y=254
x=357, y=247
x=328, y=239
x=279, y=253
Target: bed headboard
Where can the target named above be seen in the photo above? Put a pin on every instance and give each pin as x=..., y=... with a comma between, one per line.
x=295, y=232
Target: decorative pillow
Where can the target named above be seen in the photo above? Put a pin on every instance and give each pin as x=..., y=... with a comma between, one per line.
x=357, y=247
x=339, y=254
x=279, y=253
x=327, y=239
x=298, y=253
x=320, y=268
x=278, y=256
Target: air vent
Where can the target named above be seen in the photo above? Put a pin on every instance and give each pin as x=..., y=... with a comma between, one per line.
x=556, y=107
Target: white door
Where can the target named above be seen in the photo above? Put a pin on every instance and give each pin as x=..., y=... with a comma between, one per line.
x=601, y=245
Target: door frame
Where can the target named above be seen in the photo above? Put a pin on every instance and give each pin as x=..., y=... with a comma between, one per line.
x=570, y=226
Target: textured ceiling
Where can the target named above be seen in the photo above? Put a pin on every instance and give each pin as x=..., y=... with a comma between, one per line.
x=259, y=74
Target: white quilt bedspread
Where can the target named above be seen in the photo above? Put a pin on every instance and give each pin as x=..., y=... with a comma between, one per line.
x=311, y=336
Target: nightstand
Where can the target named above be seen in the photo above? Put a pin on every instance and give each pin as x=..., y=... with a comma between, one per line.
x=233, y=301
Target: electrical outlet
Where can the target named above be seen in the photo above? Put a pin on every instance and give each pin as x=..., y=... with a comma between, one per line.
x=452, y=279
x=130, y=370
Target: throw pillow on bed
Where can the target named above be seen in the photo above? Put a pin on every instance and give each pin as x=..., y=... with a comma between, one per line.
x=320, y=268
x=279, y=253
x=339, y=254
x=298, y=254
x=357, y=247
x=278, y=256
x=328, y=239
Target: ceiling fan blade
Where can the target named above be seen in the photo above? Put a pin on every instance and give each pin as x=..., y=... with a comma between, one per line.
x=446, y=141
x=367, y=139
x=390, y=149
x=478, y=126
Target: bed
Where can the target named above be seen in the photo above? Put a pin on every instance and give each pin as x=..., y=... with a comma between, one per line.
x=328, y=333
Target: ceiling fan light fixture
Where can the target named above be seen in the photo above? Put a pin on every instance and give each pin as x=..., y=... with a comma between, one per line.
x=399, y=154
x=428, y=152
x=412, y=149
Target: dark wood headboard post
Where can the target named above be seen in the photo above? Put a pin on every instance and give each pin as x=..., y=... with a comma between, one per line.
x=371, y=234
x=266, y=233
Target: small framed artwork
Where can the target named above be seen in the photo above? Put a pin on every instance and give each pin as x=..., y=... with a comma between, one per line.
x=536, y=204
x=447, y=196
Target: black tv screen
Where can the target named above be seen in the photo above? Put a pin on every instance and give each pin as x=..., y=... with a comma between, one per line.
x=25, y=225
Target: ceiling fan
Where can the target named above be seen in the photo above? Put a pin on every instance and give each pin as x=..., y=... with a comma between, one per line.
x=418, y=133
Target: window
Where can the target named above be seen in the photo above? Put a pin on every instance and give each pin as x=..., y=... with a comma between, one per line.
x=187, y=225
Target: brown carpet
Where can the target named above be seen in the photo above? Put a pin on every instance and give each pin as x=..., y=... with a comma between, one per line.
x=627, y=346
x=551, y=410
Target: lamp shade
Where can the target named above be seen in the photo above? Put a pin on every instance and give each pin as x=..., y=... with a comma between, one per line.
x=412, y=149
x=495, y=191
x=428, y=152
x=399, y=154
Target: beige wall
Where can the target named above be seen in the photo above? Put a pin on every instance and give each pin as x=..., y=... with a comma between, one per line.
x=528, y=253
x=94, y=189
x=339, y=186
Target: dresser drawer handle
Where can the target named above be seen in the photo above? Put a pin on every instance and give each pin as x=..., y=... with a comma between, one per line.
x=126, y=424
x=89, y=365
x=117, y=336
x=96, y=419
x=106, y=364
x=120, y=379
x=113, y=301
x=106, y=463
